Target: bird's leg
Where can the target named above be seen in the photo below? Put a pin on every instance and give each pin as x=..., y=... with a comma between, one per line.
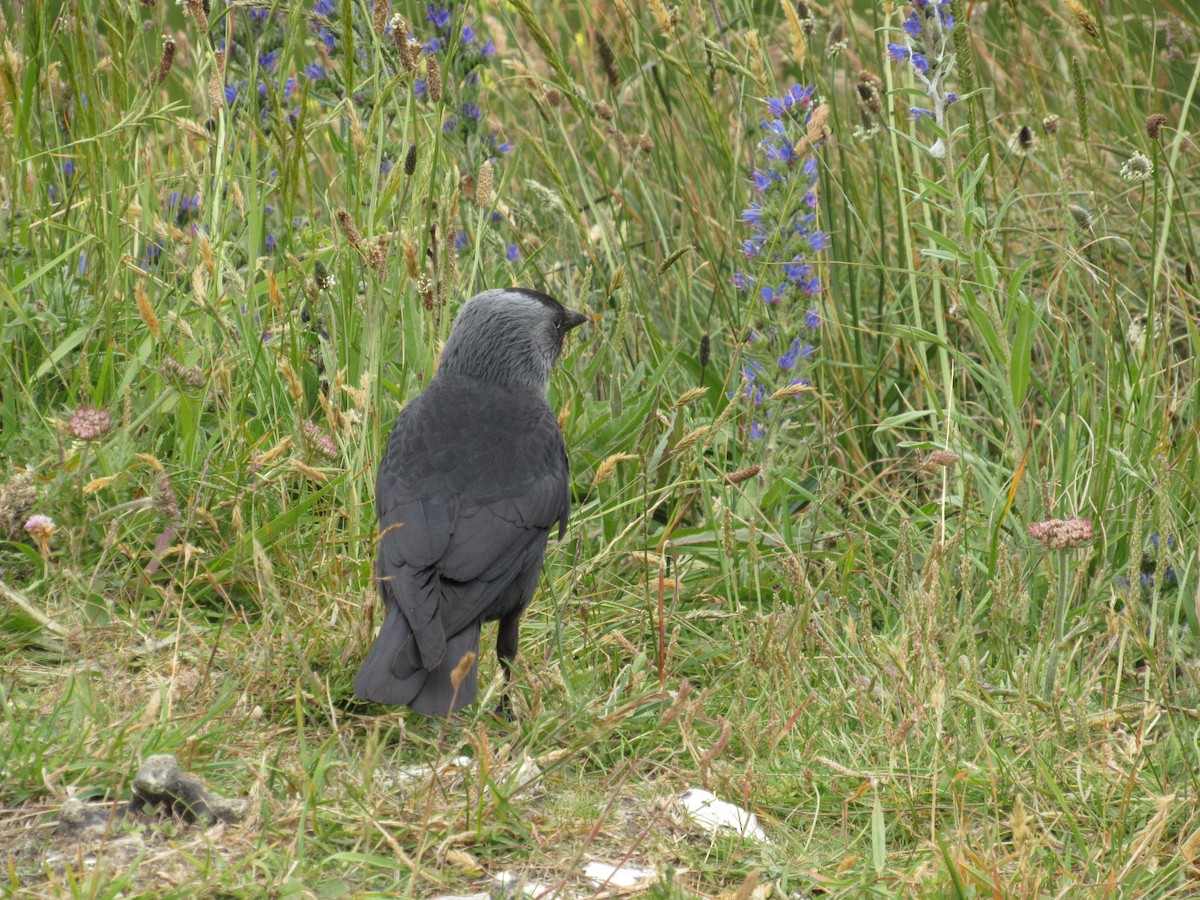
x=506, y=651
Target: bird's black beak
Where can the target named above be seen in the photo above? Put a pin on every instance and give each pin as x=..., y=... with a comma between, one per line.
x=573, y=319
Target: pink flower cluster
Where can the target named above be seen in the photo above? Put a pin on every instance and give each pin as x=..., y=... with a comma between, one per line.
x=90, y=424
x=1061, y=534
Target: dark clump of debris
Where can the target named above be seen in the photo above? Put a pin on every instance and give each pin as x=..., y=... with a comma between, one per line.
x=161, y=789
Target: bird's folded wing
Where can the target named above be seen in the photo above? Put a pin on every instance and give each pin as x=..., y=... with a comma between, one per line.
x=444, y=563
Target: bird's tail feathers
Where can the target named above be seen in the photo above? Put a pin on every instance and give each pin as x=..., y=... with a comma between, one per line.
x=392, y=673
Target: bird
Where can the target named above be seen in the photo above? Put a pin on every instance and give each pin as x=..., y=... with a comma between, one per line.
x=474, y=479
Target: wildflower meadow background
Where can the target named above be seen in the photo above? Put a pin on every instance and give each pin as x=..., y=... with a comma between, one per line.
x=883, y=440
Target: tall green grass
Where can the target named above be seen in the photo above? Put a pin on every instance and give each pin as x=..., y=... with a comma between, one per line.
x=825, y=624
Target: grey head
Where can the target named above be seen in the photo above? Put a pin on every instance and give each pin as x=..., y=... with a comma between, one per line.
x=509, y=336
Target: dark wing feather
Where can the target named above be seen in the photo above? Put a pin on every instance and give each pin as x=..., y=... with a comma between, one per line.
x=474, y=478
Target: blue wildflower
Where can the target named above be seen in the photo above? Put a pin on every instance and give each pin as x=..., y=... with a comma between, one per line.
x=898, y=52
x=920, y=63
x=912, y=25
x=433, y=45
x=460, y=240
x=323, y=8
x=258, y=16
x=471, y=111
x=421, y=87
x=450, y=124
x=796, y=270
x=753, y=215
x=468, y=34
x=919, y=112
x=267, y=60
x=231, y=94
x=512, y=253
x=488, y=50
x=787, y=362
x=437, y=16
x=153, y=254
x=314, y=71
x=772, y=295
x=812, y=319
x=757, y=432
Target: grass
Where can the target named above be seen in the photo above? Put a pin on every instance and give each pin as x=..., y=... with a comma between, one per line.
x=793, y=603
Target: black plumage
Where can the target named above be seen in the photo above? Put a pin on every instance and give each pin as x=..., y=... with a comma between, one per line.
x=474, y=479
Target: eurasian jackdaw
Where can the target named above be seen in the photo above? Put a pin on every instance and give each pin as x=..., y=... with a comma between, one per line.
x=474, y=478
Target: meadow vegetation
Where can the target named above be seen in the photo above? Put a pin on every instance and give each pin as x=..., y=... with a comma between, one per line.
x=883, y=439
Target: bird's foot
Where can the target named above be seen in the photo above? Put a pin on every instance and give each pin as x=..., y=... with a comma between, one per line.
x=504, y=710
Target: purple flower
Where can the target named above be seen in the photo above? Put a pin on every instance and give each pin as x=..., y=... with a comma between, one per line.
x=741, y=282
x=512, y=253
x=951, y=97
x=259, y=16
x=812, y=319
x=897, y=52
x=751, y=248
x=800, y=95
x=471, y=111
x=920, y=63
x=271, y=243
x=231, y=94
x=437, y=16
x=753, y=215
x=762, y=181
x=757, y=433
x=818, y=240
x=460, y=240
x=912, y=25
x=919, y=112
x=772, y=296
x=796, y=269
x=488, y=50
x=433, y=45
x=421, y=87
x=323, y=7
x=468, y=34
x=450, y=124
x=787, y=362
x=153, y=253
x=289, y=86
x=325, y=36
x=267, y=60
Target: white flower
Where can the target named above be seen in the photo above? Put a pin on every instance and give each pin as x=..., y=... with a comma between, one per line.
x=1137, y=168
